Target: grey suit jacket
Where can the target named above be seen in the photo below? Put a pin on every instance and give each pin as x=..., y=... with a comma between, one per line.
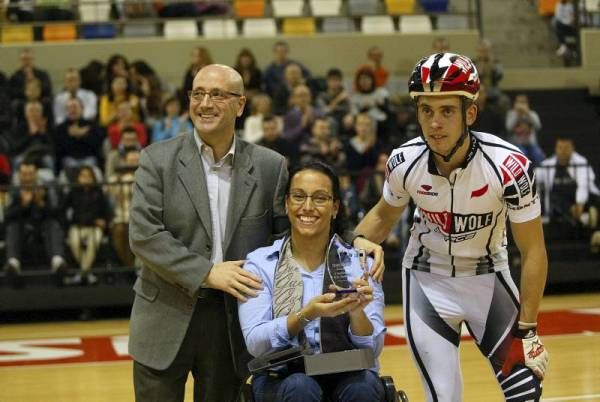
x=171, y=233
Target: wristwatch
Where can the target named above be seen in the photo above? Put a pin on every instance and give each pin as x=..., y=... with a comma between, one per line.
x=303, y=320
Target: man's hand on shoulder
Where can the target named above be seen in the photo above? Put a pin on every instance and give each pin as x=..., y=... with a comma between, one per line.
x=230, y=277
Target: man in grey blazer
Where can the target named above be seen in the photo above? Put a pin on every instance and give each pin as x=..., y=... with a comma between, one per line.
x=201, y=202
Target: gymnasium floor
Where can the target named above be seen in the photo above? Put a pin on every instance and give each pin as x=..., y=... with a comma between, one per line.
x=87, y=361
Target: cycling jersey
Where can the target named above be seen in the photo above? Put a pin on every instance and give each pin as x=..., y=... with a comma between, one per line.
x=460, y=222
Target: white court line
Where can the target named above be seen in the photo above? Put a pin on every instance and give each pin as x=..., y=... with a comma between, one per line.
x=571, y=398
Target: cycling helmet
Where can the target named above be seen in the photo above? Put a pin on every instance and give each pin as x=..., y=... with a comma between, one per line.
x=444, y=74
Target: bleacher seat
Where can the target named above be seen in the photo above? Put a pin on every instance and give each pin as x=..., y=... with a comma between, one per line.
x=17, y=33
x=449, y=21
x=435, y=6
x=288, y=8
x=546, y=7
x=338, y=24
x=397, y=7
x=592, y=6
x=259, y=27
x=378, y=24
x=249, y=8
x=299, y=26
x=140, y=30
x=322, y=8
x=59, y=32
x=94, y=10
x=182, y=29
x=363, y=7
x=219, y=28
x=98, y=31
x=415, y=24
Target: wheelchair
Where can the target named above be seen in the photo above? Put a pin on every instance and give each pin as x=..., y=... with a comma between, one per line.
x=390, y=392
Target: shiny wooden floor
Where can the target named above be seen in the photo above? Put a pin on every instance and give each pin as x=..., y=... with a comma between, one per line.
x=574, y=373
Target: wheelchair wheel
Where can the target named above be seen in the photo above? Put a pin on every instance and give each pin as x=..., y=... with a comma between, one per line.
x=402, y=396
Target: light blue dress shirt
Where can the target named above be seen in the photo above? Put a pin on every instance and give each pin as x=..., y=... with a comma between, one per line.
x=264, y=334
x=218, y=183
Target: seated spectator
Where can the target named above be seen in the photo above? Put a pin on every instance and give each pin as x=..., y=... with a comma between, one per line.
x=368, y=98
x=116, y=66
x=349, y=198
x=148, y=87
x=188, y=9
x=568, y=186
x=362, y=150
x=522, y=137
x=32, y=219
x=199, y=57
x=403, y=126
x=292, y=78
x=5, y=105
x=126, y=118
x=5, y=177
x=33, y=136
x=72, y=89
x=120, y=191
x=564, y=24
x=373, y=188
x=245, y=64
x=313, y=314
x=274, y=73
x=53, y=10
x=116, y=157
x=134, y=9
x=375, y=64
x=78, y=141
x=260, y=106
x=19, y=11
x=488, y=67
x=335, y=101
x=173, y=123
x=119, y=92
x=490, y=114
x=5, y=167
x=323, y=145
x=93, y=77
x=522, y=111
x=26, y=72
x=272, y=139
x=301, y=116
x=87, y=215
x=33, y=93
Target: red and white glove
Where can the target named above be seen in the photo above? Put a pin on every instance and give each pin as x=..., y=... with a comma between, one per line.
x=527, y=348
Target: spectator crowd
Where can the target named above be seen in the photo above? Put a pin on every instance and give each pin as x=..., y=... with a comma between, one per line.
x=67, y=156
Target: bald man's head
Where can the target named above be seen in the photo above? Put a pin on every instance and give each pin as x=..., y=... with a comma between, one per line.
x=214, y=115
x=232, y=79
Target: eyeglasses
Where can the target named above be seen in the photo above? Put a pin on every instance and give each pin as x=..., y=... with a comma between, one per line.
x=215, y=94
x=318, y=198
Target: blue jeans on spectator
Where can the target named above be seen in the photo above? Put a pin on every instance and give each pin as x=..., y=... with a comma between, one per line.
x=355, y=386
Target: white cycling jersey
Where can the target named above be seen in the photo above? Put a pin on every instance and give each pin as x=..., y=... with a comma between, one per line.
x=460, y=222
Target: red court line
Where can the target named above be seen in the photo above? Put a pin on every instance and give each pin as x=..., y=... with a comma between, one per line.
x=36, y=352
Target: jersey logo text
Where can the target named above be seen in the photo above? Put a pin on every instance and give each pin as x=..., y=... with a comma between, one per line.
x=394, y=161
x=425, y=190
x=516, y=170
x=458, y=225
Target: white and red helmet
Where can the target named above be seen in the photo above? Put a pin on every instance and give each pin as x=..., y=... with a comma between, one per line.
x=444, y=74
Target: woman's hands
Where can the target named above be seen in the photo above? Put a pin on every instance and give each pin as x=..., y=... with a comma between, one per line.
x=326, y=305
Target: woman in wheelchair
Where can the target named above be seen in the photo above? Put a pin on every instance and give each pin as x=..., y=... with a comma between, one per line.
x=316, y=293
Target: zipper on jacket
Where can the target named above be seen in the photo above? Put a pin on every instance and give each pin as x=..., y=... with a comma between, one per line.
x=451, y=217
